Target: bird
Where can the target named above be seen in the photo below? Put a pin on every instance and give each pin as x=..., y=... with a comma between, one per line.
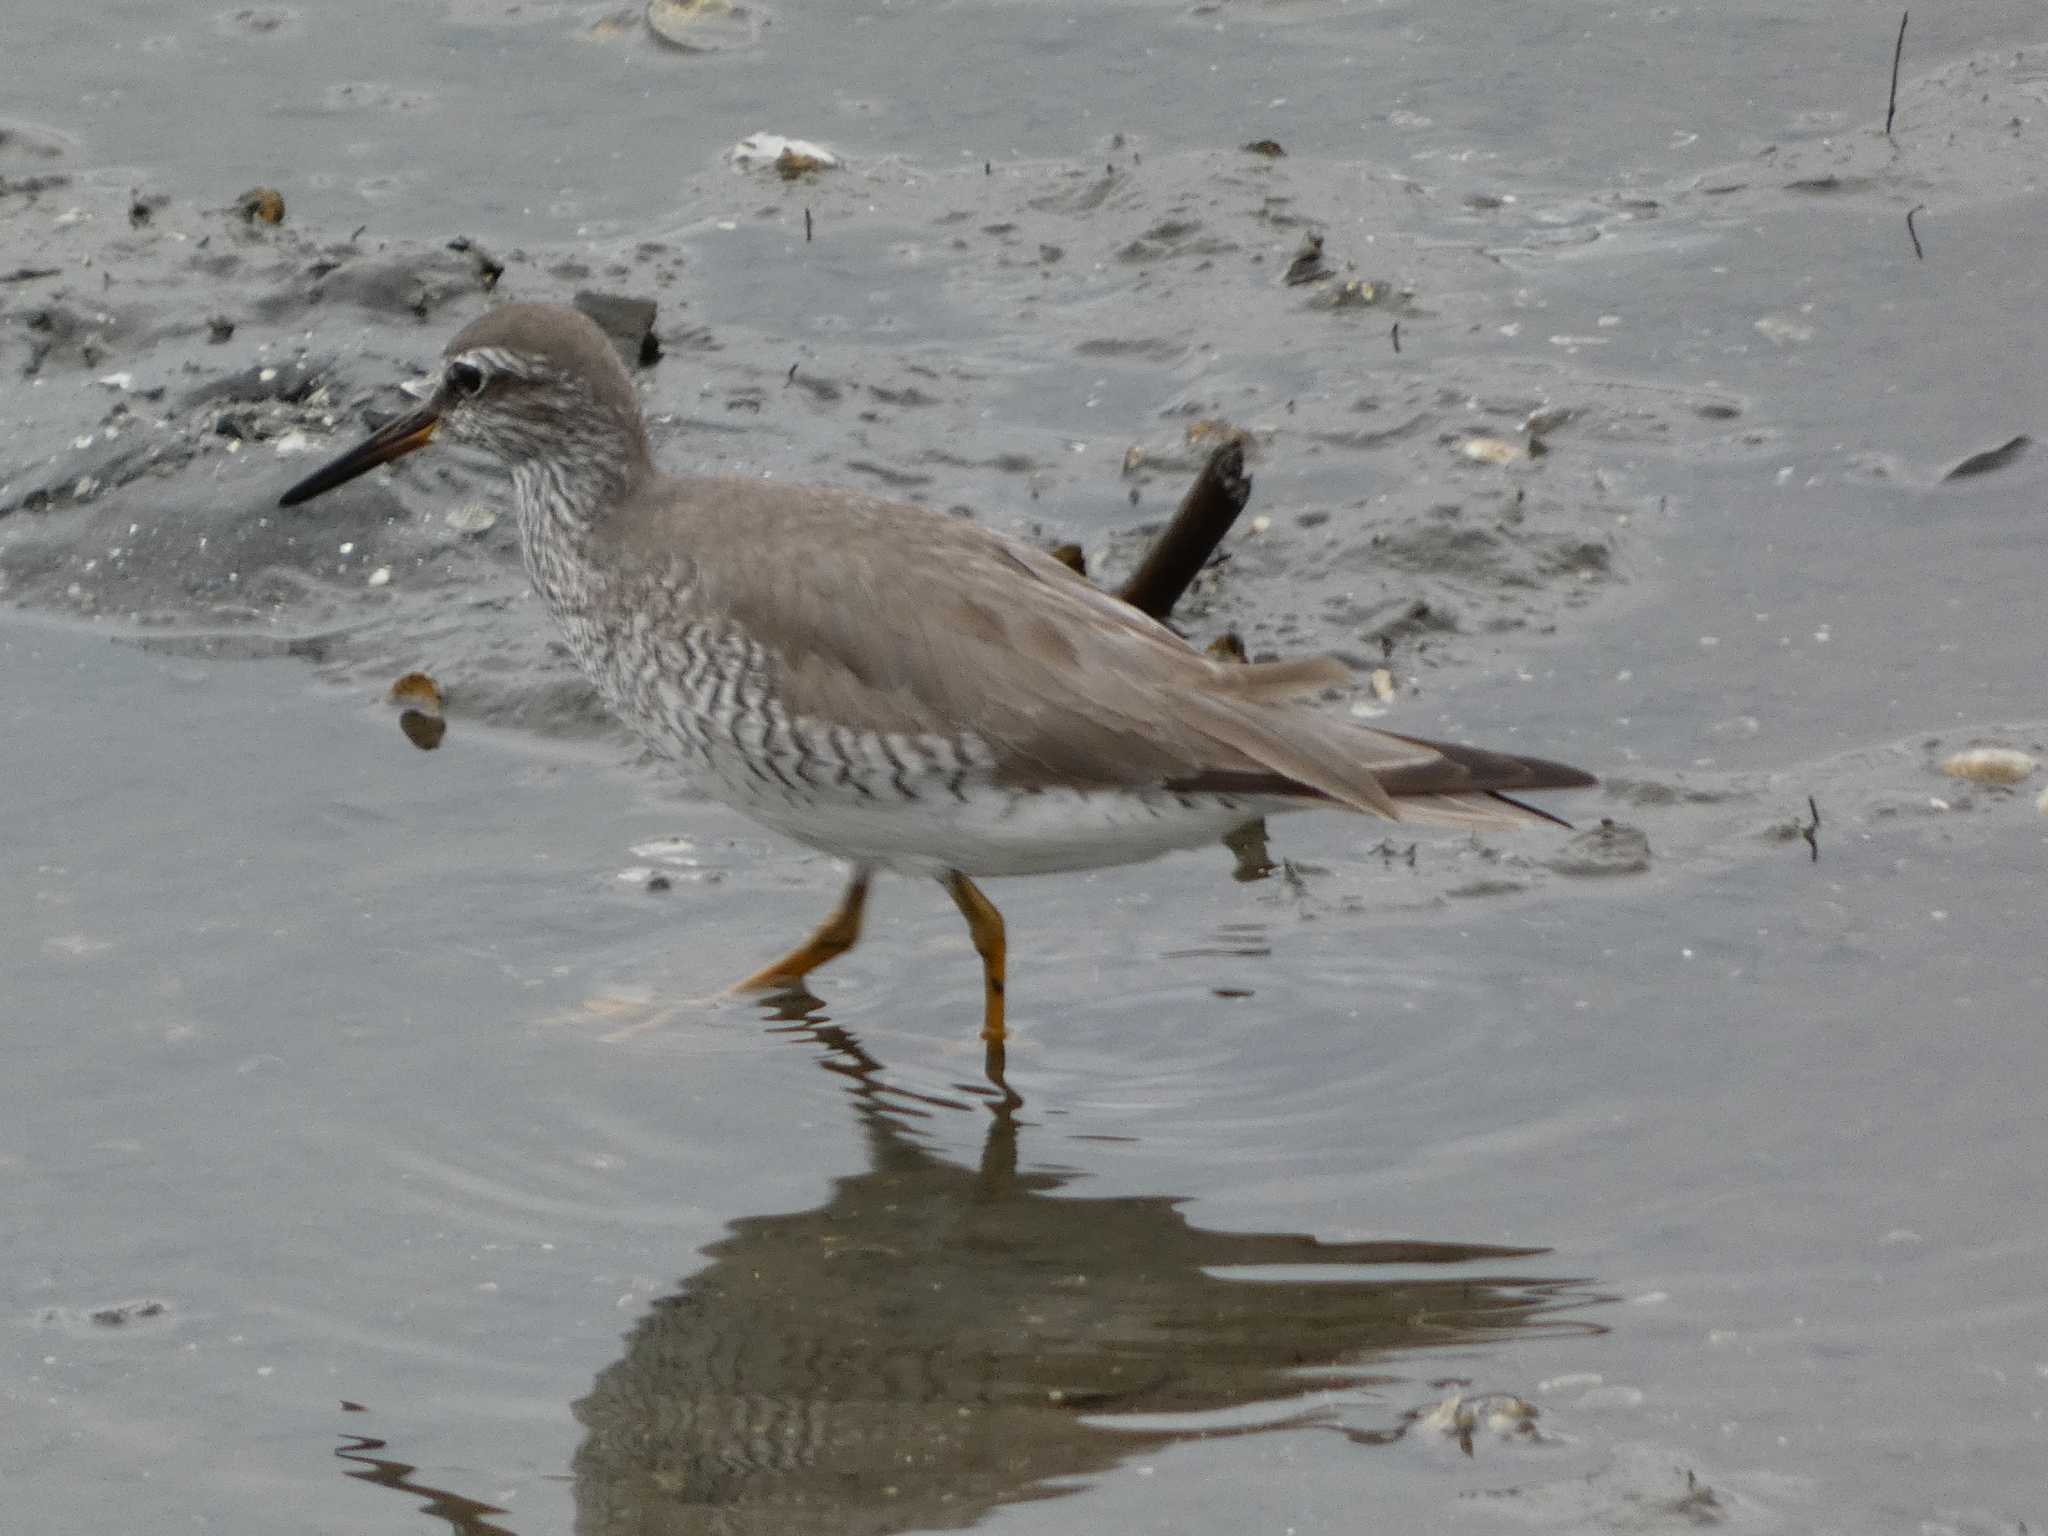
x=907, y=691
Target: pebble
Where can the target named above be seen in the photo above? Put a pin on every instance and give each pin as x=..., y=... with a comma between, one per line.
x=472, y=517
x=1989, y=765
x=1491, y=450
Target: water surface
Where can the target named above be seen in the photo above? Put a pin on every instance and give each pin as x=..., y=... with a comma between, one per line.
x=376, y=1157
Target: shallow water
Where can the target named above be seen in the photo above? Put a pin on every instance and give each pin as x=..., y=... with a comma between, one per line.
x=375, y=1157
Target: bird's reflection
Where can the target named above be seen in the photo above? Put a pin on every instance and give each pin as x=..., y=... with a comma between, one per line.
x=937, y=1340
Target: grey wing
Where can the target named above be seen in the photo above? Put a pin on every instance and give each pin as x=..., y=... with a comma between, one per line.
x=890, y=618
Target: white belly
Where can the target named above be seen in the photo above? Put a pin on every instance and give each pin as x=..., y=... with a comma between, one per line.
x=1005, y=832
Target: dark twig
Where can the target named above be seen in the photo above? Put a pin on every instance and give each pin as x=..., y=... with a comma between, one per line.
x=1811, y=831
x=1397, y=338
x=1179, y=553
x=1891, y=105
x=1914, y=234
x=807, y=226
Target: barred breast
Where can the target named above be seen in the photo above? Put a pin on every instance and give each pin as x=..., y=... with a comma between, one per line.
x=706, y=695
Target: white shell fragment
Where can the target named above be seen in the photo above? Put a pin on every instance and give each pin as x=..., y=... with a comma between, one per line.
x=1989, y=765
x=1499, y=1413
x=772, y=151
x=705, y=26
x=472, y=517
x=1491, y=450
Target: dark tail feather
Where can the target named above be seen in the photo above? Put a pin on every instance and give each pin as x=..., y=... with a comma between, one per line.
x=1534, y=810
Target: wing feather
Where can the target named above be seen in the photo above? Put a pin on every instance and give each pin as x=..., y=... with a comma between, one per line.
x=884, y=617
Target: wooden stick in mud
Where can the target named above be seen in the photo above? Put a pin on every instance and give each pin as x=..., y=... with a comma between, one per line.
x=1891, y=105
x=1177, y=556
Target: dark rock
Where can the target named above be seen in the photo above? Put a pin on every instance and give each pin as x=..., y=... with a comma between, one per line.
x=127, y=1312
x=2007, y=452
x=629, y=323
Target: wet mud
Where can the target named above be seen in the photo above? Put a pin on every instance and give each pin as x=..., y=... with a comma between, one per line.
x=152, y=512
x=372, y=1130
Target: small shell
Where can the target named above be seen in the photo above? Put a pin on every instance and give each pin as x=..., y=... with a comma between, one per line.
x=1451, y=1416
x=1382, y=684
x=794, y=163
x=420, y=701
x=1989, y=765
x=1490, y=450
x=1358, y=293
x=1507, y=1414
x=472, y=517
x=261, y=205
x=704, y=26
x=1214, y=429
x=423, y=730
x=416, y=690
x=788, y=158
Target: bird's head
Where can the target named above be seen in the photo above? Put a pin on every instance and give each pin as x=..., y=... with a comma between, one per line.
x=528, y=383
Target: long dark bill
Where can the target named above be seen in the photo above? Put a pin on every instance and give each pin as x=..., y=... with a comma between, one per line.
x=391, y=441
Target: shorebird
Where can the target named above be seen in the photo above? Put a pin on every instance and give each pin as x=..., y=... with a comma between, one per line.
x=902, y=689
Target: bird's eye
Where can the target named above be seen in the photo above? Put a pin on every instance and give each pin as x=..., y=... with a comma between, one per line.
x=466, y=379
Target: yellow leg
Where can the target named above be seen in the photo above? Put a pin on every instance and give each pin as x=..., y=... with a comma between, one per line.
x=835, y=936
x=985, y=924
x=995, y=1065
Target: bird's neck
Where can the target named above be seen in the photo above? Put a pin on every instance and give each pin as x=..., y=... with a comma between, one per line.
x=579, y=479
x=564, y=504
